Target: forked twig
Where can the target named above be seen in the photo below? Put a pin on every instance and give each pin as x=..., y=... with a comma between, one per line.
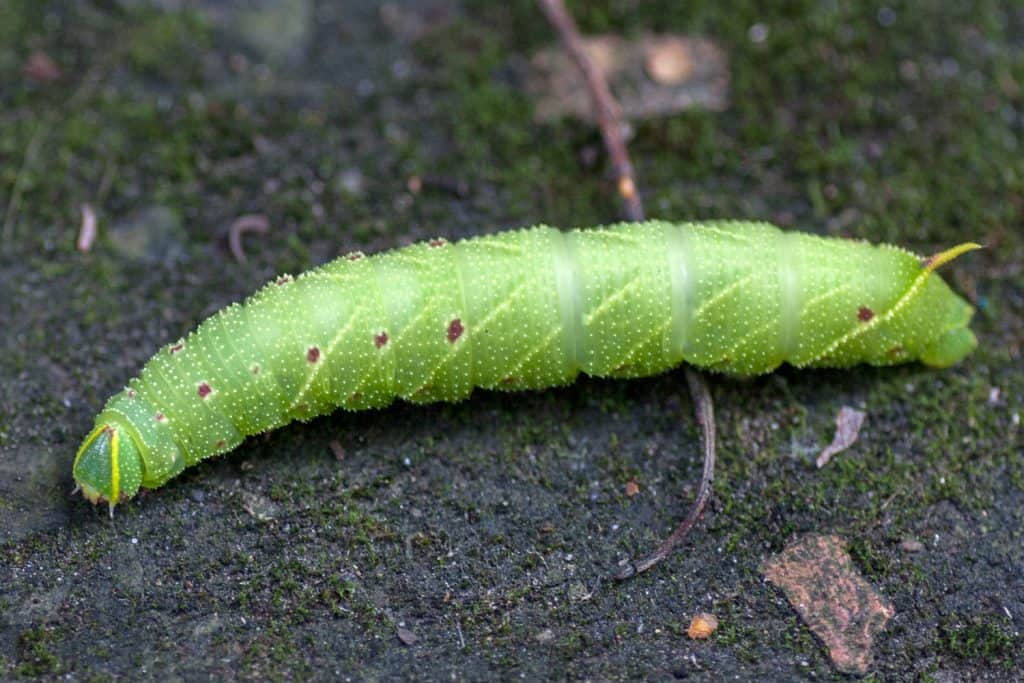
x=608, y=117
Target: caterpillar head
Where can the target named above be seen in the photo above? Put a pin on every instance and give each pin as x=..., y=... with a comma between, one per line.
x=108, y=466
x=955, y=339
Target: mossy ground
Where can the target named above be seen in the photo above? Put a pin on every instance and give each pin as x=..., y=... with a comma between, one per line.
x=489, y=529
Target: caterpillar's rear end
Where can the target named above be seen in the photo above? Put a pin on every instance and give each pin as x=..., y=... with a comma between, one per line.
x=519, y=310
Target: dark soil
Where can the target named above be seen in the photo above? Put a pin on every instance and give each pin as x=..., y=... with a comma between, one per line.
x=488, y=530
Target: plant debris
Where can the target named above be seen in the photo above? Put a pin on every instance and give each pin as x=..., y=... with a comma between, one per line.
x=41, y=68
x=243, y=224
x=337, y=449
x=837, y=604
x=653, y=75
x=848, y=423
x=87, y=231
x=702, y=626
x=406, y=636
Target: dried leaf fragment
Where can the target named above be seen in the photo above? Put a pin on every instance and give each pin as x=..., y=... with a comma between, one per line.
x=837, y=604
x=848, y=423
x=406, y=636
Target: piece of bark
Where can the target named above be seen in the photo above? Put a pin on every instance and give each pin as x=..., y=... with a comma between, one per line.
x=653, y=75
x=838, y=605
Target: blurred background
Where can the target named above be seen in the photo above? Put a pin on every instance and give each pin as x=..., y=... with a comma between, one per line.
x=476, y=540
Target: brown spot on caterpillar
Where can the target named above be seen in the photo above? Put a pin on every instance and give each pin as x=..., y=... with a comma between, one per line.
x=203, y=390
x=283, y=280
x=176, y=348
x=254, y=368
x=313, y=355
x=355, y=396
x=895, y=351
x=160, y=417
x=455, y=330
x=380, y=340
x=354, y=255
x=865, y=314
x=221, y=443
x=131, y=393
x=509, y=381
x=927, y=262
x=437, y=242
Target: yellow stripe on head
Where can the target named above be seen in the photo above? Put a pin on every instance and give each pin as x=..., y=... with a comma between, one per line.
x=115, y=472
x=95, y=434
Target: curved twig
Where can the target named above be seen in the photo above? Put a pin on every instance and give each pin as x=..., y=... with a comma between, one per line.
x=705, y=410
x=253, y=222
x=608, y=115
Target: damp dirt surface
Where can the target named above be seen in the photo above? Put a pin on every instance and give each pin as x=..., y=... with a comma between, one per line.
x=477, y=541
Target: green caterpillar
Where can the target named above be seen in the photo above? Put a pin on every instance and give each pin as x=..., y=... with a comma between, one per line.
x=525, y=309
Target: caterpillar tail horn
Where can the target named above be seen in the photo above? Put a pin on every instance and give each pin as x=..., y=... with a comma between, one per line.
x=957, y=340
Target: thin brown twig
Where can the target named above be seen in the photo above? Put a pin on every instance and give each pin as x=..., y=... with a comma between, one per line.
x=608, y=116
x=705, y=411
x=87, y=230
x=242, y=224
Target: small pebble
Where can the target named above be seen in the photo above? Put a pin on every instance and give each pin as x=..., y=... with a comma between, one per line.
x=668, y=62
x=702, y=626
x=545, y=636
x=406, y=636
x=41, y=68
x=911, y=545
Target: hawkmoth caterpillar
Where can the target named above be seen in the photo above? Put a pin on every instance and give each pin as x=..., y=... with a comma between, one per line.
x=524, y=309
